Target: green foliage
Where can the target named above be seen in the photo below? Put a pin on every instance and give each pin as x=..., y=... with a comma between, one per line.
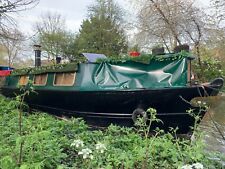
x=108, y=9
x=70, y=49
x=57, y=44
x=54, y=38
x=52, y=143
x=211, y=68
x=101, y=32
x=135, y=48
x=66, y=67
x=144, y=58
x=100, y=35
x=44, y=138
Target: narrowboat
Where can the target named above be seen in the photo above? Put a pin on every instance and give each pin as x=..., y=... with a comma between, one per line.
x=106, y=91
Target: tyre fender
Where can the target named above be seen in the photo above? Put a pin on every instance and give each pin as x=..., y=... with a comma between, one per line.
x=139, y=113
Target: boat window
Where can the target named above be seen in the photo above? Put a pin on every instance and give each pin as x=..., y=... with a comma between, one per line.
x=40, y=79
x=23, y=80
x=64, y=79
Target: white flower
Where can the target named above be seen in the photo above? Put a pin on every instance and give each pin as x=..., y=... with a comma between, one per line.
x=199, y=102
x=87, y=153
x=77, y=143
x=197, y=166
x=193, y=166
x=91, y=157
x=100, y=147
x=186, y=167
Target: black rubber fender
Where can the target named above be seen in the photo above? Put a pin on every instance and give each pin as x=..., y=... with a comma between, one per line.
x=139, y=112
x=218, y=82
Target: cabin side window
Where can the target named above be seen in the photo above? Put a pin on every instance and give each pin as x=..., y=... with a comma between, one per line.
x=23, y=80
x=40, y=79
x=64, y=79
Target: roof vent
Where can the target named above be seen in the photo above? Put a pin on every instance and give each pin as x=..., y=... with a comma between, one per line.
x=180, y=48
x=158, y=51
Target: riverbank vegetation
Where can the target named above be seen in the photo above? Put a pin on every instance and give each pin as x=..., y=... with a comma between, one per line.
x=44, y=141
x=211, y=68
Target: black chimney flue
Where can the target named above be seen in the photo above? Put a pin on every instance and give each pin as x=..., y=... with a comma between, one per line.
x=37, y=52
x=58, y=60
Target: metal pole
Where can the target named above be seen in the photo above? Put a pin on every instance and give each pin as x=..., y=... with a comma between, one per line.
x=37, y=52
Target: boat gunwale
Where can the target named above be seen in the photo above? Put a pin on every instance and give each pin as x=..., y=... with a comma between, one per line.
x=71, y=88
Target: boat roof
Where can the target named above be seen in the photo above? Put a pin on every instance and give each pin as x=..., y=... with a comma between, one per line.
x=93, y=58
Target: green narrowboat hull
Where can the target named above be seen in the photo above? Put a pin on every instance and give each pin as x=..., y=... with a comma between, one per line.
x=101, y=108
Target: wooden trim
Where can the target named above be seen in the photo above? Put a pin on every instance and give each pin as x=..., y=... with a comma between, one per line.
x=189, y=72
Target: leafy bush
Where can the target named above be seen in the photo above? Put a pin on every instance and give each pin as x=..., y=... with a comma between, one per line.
x=211, y=68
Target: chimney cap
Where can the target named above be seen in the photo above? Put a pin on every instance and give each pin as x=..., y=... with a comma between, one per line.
x=37, y=47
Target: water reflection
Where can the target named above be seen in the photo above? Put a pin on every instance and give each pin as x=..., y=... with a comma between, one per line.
x=213, y=124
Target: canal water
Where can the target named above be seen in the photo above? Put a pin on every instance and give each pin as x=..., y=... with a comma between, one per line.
x=213, y=124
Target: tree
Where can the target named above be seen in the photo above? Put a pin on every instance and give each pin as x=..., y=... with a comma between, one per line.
x=69, y=48
x=218, y=7
x=7, y=7
x=53, y=37
x=101, y=32
x=10, y=37
x=108, y=9
x=166, y=21
x=13, y=45
x=214, y=45
x=171, y=22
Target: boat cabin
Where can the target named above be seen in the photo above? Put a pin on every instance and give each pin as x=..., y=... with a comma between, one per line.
x=100, y=73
